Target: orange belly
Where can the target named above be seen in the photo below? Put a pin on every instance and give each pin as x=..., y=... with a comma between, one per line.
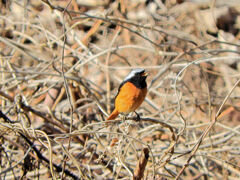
x=129, y=98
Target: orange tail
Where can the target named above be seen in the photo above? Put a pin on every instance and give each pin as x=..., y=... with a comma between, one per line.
x=113, y=115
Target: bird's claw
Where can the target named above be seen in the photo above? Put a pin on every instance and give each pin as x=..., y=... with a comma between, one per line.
x=138, y=116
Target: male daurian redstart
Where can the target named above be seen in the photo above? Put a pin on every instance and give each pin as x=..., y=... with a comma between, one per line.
x=131, y=93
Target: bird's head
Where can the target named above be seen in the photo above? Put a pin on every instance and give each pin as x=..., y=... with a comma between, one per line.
x=138, y=73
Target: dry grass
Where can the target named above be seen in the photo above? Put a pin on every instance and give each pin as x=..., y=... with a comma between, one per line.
x=61, y=65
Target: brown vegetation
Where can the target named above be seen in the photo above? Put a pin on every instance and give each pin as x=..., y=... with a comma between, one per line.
x=62, y=63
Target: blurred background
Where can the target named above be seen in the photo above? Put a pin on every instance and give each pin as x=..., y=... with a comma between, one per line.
x=61, y=65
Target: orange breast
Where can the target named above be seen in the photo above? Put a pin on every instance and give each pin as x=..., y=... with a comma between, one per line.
x=129, y=98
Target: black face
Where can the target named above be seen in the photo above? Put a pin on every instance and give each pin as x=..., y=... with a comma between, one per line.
x=139, y=80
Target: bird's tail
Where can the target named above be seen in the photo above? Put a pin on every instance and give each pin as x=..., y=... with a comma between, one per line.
x=113, y=115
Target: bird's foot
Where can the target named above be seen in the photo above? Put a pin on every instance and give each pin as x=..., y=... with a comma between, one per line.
x=124, y=117
x=138, y=116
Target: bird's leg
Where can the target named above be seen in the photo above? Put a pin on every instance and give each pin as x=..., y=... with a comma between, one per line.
x=138, y=116
x=124, y=117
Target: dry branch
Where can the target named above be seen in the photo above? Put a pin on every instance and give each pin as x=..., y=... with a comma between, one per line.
x=142, y=163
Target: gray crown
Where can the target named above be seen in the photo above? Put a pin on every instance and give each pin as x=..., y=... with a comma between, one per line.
x=134, y=72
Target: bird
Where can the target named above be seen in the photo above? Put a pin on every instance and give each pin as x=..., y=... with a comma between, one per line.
x=131, y=93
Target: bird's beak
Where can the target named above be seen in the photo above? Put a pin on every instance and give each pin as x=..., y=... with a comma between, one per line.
x=145, y=74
